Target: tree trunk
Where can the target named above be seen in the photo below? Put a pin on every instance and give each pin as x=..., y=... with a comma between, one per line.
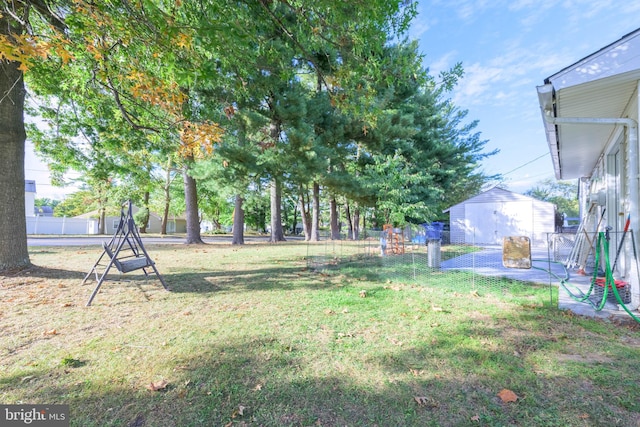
x=304, y=213
x=356, y=224
x=334, y=223
x=167, y=198
x=13, y=222
x=102, y=220
x=238, y=221
x=347, y=214
x=277, y=233
x=191, y=203
x=145, y=205
x=315, y=214
x=294, y=219
x=364, y=224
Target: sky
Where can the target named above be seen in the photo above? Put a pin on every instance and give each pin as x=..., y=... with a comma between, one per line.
x=507, y=48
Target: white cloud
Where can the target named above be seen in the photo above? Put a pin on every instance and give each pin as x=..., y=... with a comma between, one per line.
x=444, y=63
x=419, y=27
x=478, y=84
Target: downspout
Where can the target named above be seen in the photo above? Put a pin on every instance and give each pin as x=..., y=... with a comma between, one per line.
x=632, y=140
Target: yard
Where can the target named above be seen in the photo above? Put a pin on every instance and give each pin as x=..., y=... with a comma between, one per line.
x=252, y=335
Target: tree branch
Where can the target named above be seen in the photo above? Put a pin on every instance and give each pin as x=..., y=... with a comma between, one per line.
x=123, y=110
x=45, y=10
x=280, y=24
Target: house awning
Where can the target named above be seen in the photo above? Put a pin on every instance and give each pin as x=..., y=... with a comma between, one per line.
x=601, y=85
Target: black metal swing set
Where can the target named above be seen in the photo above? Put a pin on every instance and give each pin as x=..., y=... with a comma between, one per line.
x=125, y=251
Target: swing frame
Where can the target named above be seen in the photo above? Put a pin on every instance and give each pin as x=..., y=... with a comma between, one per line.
x=125, y=251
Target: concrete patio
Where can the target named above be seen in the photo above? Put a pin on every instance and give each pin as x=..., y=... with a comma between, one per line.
x=488, y=262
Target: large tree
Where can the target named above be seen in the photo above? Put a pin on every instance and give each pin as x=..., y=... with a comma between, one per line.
x=17, y=50
x=13, y=225
x=144, y=59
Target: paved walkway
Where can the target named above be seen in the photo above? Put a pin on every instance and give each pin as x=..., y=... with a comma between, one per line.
x=544, y=271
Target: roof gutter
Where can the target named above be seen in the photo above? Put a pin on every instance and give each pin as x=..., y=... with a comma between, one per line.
x=546, y=97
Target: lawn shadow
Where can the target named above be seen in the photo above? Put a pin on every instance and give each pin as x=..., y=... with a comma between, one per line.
x=225, y=384
x=263, y=279
x=43, y=273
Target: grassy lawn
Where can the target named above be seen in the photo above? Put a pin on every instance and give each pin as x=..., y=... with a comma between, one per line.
x=251, y=336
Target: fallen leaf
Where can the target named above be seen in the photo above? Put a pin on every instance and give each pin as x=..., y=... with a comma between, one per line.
x=238, y=412
x=395, y=342
x=258, y=387
x=157, y=385
x=507, y=395
x=422, y=400
x=425, y=401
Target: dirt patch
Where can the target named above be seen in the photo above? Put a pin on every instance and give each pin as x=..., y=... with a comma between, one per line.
x=581, y=358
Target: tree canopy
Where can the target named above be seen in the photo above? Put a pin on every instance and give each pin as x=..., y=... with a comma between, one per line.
x=315, y=100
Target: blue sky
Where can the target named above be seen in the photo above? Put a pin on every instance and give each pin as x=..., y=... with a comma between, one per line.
x=507, y=48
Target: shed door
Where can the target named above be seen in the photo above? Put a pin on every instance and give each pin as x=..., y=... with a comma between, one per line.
x=488, y=223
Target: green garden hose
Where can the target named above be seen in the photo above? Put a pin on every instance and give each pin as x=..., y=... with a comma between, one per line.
x=602, y=243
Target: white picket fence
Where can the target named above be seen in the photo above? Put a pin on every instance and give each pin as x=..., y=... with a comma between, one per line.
x=56, y=225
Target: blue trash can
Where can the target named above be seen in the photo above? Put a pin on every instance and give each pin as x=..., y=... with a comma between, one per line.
x=434, y=230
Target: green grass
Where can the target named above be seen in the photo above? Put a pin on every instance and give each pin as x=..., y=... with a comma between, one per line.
x=251, y=336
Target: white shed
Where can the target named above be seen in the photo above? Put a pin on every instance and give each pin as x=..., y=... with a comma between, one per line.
x=497, y=213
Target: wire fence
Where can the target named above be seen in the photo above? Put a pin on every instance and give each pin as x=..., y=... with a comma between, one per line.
x=413, y=259
x=566, y=261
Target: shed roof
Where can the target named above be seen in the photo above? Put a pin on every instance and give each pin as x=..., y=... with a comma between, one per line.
x=497, y=194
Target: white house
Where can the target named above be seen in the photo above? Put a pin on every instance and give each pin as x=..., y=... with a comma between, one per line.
x=590, y=116
x=48, y=224
x=497, y=213
x=174, y=224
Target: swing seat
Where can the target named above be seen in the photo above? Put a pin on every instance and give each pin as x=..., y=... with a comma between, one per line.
x=127, y=265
